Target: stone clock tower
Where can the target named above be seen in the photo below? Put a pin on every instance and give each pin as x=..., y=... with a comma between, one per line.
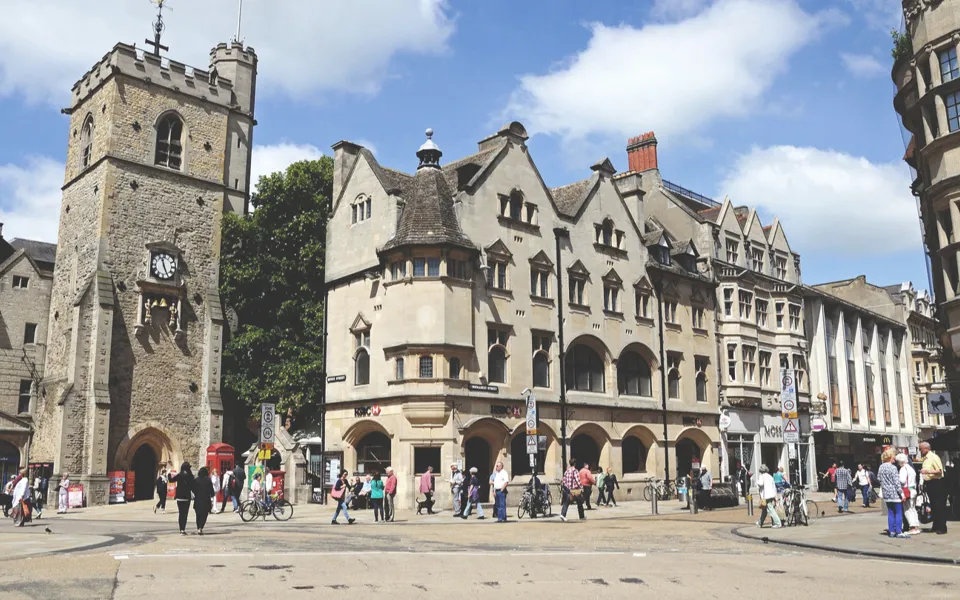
x=157, y=152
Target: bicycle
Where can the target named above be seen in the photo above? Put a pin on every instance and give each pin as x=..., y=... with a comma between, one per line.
x=798, y=509
x=534, y=503
x=665, y=490
x=251, y=509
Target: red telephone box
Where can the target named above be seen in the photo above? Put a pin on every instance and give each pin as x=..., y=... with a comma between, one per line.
x=276, y=479
x=220, y=457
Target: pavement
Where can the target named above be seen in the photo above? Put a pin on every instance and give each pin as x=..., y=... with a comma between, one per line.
x=126, y=551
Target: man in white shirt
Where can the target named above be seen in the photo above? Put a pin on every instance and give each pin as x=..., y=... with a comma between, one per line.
x=500, y=481
x=862, y=480
x=456, y=486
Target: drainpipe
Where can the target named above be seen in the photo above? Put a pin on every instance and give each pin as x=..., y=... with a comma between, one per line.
x=561, y=233
x=658, y=288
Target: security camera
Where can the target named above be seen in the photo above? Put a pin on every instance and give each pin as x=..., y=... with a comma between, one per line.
x=525, y=392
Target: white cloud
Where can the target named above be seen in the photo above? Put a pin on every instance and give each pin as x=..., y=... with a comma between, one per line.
x=829, y=201
x=674, y=78
x=882, y=15
x=304, y=46
x=863, y=65
x=30, y=199
x=670, y=9
x=277, y=157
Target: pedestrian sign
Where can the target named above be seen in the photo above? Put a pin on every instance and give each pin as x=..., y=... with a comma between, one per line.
x=791, y=431
x=531, y=444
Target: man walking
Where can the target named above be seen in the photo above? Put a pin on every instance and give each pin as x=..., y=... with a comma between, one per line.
x=426, y=488
x=500, y=481
x=587, y=482
x=933, y=483
x=706, y=484
x=238, y=478
x=862, y=480
x=572, y=491
x=844, y=482
x=831, y=475
x=390, y=494
x=456, y=485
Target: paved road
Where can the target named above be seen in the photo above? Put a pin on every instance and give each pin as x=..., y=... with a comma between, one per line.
x=127, y=552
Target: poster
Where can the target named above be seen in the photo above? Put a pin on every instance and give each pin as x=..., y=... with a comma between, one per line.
x=117, y=489
x=171, y=486
x=131, y=489
x=253, y=470
x=75, y=496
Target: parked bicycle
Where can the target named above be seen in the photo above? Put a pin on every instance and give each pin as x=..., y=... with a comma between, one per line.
x=253, y=508
x=798, y=509
x=665, y=490
x=535, y=503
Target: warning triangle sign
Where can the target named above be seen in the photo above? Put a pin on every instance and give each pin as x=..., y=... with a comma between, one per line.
x=791, y=426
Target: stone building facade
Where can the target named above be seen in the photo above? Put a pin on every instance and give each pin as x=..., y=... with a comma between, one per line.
x=859, y=367
x=157, y=152
x=927, y=100
x=759, y=308
x=26, y=276
x=443, y=311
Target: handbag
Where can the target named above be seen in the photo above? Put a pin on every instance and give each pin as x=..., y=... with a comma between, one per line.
x=336, y=494
x=576, y=493
x=906, y=493
x=763, y=502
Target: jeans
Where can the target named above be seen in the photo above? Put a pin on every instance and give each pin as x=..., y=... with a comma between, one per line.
x=466, y=513
x=587, y=490
x=341, y=506
x=843, y=501
x=894, y=518
x=501, y=505
x=865, y=490
x=378, y=509
x=390, y=508
x=565, y=503
x=769, y=508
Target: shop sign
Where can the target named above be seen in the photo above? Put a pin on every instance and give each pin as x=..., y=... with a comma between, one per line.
x=774, y=432
x=487, y=389
x=724, y=421
x=939, y=403
x=817, y=424
x=912, y=451
x=367, y=411
x=506, y=412
x=336, y=378
x=697, y=421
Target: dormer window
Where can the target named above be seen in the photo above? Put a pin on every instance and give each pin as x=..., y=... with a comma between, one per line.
x=608, y=235
x=780, y=265
x=733, y=251
x=756, y=256
x=661, y=254
x=514, y=207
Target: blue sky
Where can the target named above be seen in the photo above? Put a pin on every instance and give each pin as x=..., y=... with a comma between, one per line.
x=782, y=104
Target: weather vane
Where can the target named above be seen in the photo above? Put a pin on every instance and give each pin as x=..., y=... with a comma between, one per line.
x=158, y=29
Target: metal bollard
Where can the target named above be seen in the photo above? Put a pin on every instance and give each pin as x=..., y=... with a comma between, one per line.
x=693, y=502
x=749, y=505
x=654, y=509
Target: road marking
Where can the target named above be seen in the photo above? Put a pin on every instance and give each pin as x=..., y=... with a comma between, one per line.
x=453, y=554
x=121, y=557
x=640, y=554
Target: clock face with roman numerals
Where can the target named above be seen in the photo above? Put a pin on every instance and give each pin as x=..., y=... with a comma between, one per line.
x=163, y=265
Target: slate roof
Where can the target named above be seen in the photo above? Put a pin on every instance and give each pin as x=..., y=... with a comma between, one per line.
x=480, y=159
x=710, y=214
x=391, y=179
x=41, y=252
x=570, y=197
x=428, y=216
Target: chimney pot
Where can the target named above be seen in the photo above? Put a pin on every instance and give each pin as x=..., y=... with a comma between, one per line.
x=642, y=152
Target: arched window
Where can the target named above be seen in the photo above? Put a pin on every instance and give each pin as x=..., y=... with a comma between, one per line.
x=584, y=369
x=86, y=142
x=361, y=209
x=373, y=453
x=541, y=369
x=169, y=145
x=520, y=460
x=634, y=455
x=673, y=384
x=361, y=368
x=497, y=364
x=633, y=375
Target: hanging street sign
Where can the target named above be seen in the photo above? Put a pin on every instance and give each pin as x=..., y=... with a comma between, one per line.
x=532, y=418
x=267, y=417
x=531, y=444
x=791, y=431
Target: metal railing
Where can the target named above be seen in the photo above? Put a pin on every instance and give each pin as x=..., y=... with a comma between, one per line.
x=682, y=191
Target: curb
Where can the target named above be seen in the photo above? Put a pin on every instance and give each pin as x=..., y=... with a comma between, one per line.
x=869, y=553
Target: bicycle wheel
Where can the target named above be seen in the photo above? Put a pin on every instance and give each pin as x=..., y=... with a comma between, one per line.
x=521, y=508
x=282, y=510
x=249, y=511
x=648, y=492
x=812, y=512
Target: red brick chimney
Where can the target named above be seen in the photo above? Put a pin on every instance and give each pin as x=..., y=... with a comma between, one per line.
x=642, y=152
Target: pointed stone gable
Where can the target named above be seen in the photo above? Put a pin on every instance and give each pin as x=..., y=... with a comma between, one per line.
x=541, y=259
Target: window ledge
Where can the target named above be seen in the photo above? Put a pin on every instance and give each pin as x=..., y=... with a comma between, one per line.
x=613, y=314
x=541, y=300
x=518, y=223
x=700, y=331
x=579, y=307
x=645, y=320
x=673, y=326
x=611, y=250
x=492, y=291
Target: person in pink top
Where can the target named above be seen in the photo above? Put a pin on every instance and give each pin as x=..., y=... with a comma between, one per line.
x=389, y=493
x=426, y=488
x=587, y=481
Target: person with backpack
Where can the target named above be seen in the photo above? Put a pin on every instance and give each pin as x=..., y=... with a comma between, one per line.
x=341, y=493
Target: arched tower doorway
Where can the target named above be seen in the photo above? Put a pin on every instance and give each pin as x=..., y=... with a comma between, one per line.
x=687, y=450
x=9, y=462
x=145, y=466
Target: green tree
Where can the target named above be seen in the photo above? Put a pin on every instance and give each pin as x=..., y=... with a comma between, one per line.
x=271, y=275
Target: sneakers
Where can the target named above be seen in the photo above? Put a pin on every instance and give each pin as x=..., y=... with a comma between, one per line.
x=334, y=522
x=351, y=521
x=481, y=518
x=759, y=525
x=563, y=518
x=903, y=536
x=777, y=526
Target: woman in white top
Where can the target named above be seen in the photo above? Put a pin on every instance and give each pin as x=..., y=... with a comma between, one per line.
x=768, y=494
x=908, y=480
x=215, y=481
x=63, y=494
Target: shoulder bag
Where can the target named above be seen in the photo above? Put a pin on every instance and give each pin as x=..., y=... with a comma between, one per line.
x=337, y=494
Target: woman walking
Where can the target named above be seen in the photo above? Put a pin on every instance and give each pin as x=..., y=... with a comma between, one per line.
x=161, y=492
x=908, y=481
x=203, y=498
x=215, y=485
x=21, y=497
x=601, y=488
x=341, y=493
x=473, y=496
x=184, y=480
x=376, y=498
x=572, y=491
x=768, y=497
x=892, y=493
x=610, y=481
x=63, y=495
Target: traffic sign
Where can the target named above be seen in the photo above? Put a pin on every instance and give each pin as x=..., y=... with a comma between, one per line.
x=791, y=431
x=532, y=416
x=267, y=417
x=531, y=444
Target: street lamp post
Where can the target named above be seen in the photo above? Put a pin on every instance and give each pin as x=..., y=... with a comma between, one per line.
x=561, y=233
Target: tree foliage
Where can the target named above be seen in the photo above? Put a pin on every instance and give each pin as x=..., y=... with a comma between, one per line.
x=271, y=275
x=902, y=45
